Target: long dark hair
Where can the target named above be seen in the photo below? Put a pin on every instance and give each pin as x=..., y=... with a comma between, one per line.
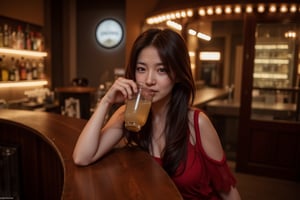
x=174, y=55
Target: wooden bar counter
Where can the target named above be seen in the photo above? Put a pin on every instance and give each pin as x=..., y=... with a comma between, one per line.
x=208, y=94
x=45, y=142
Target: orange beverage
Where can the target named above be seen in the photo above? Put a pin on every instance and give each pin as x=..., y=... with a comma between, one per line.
x=137, y=110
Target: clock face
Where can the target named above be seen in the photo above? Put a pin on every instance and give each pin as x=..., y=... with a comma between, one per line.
x=109, y=33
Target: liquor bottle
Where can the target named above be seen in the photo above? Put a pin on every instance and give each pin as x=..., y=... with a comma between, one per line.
x=28, y=70
x=4, y=69
x=33, y=40
x=39, y=41
x=9, y=36
x=42, y=42
x=27, y=38
x=16, y=69
x=11, y=75
x=1, y=36
x=34, y=70
x=20, y=38
x=1, y=68
x=5, y=36
x=13, y=38
x=41, y=70
x=22, y=69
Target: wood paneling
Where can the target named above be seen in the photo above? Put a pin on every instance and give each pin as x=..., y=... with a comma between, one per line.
x=41, y=172
x=31, y=11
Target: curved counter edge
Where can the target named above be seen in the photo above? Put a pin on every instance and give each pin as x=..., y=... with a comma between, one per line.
x=124, y=173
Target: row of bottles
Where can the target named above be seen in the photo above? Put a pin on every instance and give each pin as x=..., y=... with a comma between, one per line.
x=21, y=37
x=15, y=69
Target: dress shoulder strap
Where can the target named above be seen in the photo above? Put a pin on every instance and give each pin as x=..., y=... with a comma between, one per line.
x=197, y=129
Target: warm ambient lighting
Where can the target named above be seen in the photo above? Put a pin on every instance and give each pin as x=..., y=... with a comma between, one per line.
x=175, y=18
x=23, y=52
x=293, y=8
x=199, y=35
x=283, y=8
x=179, y=14
x=261, y=8
x=192, y=32
x=238, y=9
x=210, y=56
x=272, y=8
x=201, y=12
x=203, y=36
x=249, y=9
x=290, y=34
x=23, y=83
x=174, y=25
x=272, y=46
x=270, y=75
x=210, y=11
x=226, y=9
x=218, y=10
x=191, y=53
x=271, y=61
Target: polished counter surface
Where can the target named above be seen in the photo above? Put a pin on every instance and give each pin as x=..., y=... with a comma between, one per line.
x=124, y=173
x=224, y=107
x=76, y=89
x=208, y=94
x=232, y=108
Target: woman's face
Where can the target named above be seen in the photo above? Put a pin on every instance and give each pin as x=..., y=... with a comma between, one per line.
x=151, y=71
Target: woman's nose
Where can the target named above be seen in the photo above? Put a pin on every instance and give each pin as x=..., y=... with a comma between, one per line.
x=150, y=79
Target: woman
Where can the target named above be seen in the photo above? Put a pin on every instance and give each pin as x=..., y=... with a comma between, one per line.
x=180, y=138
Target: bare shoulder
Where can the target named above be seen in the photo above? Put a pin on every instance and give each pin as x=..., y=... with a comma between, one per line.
x=209, y=138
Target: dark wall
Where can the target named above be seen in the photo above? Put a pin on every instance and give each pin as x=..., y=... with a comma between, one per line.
x=30, y=11
x=94, y=62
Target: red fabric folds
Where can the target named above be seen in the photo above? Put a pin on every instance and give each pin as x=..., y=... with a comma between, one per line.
x=219, y=172
x=203, y=177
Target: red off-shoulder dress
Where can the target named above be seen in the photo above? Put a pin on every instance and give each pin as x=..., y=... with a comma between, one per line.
x=203, y=177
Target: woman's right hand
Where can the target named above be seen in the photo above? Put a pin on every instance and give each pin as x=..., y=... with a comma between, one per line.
x=91, y=144
x=121, y=90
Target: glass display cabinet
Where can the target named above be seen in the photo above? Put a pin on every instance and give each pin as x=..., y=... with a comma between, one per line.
x=274, y=94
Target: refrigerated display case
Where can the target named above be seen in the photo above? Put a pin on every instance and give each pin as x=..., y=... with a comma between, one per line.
x=275, y=70
x=273, y=64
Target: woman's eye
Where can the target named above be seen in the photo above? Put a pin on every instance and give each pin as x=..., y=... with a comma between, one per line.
x=162, y=70
x=140, y=69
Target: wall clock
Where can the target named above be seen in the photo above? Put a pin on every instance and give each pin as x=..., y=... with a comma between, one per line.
x=109, y=33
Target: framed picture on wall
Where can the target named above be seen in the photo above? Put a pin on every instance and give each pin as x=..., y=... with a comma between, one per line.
x=72, y=107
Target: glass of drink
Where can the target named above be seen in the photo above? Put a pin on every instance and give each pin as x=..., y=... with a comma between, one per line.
x=137, y=109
